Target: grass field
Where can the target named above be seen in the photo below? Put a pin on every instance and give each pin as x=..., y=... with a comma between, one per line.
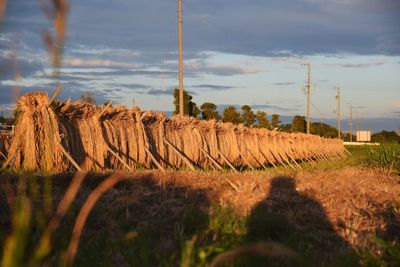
x=342, y=213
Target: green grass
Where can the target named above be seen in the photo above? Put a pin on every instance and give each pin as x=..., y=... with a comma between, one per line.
x=386, y=157
x=359, y=154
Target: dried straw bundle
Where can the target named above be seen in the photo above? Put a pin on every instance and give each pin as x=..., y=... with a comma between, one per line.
x=102, y=137
x=5, y=143
x=37, y=134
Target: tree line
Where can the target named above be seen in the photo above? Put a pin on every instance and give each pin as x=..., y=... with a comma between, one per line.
x=208, y=111
x=259, y=119
x=245, y=116
x=249, y=118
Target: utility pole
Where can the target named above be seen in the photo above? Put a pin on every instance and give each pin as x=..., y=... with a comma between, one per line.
x=180, y=58
x=308, y=97
x=308, y=100
x=351, y=122
x=338, y=111
x=357, y=123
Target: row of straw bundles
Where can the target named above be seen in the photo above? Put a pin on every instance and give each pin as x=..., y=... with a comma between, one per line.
x=105, y=137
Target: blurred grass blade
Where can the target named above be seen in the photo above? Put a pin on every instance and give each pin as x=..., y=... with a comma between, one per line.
x=3, y=5
x=15, y=245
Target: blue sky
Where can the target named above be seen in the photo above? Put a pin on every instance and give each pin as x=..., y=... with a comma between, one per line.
x=235, y=52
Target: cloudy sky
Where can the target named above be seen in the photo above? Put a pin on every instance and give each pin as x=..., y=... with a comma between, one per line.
x=235, y=52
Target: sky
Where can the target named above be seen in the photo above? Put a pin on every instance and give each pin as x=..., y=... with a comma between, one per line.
x=235, y=52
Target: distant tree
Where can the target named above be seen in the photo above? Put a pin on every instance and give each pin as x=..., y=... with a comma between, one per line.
x=285, y=128
x=87, y=98
x=385, y=137
x=324, y=130
x=209, y=111
x=248, y=117
x=231, y=115
x=262, y=120
x=299, y=124
x=189, y=107
x=346, y=137
x=194, y=109
x=275, y=121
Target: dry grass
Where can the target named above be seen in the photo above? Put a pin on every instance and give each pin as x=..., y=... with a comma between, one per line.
x=5, y=142
x=347, y=206
x=349, y=196
x=3, y=4
x=57, y=12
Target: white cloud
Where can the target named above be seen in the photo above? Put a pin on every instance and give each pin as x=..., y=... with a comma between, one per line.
x=220, y=69
x=86, y=50
x=78, y=62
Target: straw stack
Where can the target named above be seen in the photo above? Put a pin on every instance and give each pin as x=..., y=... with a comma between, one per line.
x=60, y=135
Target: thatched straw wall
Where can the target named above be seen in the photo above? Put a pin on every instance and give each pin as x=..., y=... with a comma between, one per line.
x=102, y=137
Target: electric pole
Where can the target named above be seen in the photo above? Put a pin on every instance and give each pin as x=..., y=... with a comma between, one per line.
x=357, y=123
x=351, y=122
x=308, y=97
x=338, y=111
x=180, y=58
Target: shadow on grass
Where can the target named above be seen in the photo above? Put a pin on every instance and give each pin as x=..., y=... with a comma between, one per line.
x=142, y=221
x=298, y=221
x=152, y=220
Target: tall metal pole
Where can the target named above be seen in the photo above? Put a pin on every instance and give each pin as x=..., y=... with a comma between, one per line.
x=180, y=58
x=338, y=99
x=308, y=100
x=351, y=122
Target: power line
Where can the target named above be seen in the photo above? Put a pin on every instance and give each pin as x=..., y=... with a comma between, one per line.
x=317, y=109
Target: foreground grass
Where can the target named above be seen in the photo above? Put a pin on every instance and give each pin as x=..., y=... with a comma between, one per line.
x=202, y=236
x=188, y=219
x=386, y=157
